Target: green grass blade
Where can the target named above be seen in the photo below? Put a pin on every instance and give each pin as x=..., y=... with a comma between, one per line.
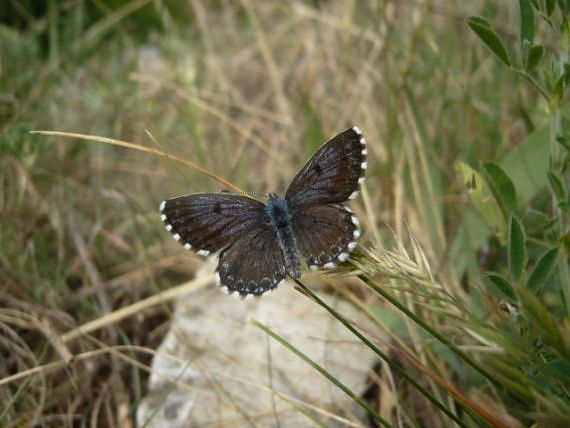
x=445, y=341
x=325, y=373
x=378, y=352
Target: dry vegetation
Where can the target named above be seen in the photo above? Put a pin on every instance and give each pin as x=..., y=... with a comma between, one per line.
x=248, y=90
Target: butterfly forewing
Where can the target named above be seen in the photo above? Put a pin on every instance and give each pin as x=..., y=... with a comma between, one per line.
x=254, y=264
x=326, y=234
x=208, y=222
x=260, y=244
x=333, y=174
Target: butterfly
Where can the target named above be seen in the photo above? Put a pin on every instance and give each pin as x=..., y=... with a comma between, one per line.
x=261, y=244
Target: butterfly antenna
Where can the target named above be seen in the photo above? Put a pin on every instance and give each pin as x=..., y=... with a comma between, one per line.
x=244, y=193
x=256, y=194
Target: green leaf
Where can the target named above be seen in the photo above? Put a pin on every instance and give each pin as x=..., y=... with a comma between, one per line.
x=517, y=248
x=474, y=231
x=479, y=20
x=483, y=30
x=534, y=56
x=527, y=21
x=502, y=186
x=542, y=270
x=482, y=199
x=557, y=186
x=502, y=285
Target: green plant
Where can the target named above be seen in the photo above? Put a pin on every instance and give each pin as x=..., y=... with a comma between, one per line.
x=471, y=299
x=508, y=338
x=533, y=367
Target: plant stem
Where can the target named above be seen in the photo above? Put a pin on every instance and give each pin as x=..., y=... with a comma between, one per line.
x=465, y=357
x=534, y=83
x=381, y=354
x=325, y=373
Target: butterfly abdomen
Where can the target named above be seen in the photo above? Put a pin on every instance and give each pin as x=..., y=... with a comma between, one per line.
x=280, y=218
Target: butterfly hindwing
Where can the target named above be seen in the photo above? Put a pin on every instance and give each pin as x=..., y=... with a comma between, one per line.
x=254, y=264
x=208, y=222
x=326, y=234
x=333, y=174
x=261, y=244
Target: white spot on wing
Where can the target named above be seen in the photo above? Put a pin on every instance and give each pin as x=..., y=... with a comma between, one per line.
x=357, y=130
x=355, y=220
x=361, y=180
x=162, y=205
x=187, y=246
x=352, y=245
x=353, y=195
x=202, y=252
x=349, y=210
x=343, y=257
x=329, y=265
x=313, y=267
x=364, y=151
x=363, y=165
x=176, y=236
x=356, y=234
x=168, y=227
x=163, y=217
x=363, y=141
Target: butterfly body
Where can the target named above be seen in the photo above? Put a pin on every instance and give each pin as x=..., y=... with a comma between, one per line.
x=260, y=244
x=281, y=219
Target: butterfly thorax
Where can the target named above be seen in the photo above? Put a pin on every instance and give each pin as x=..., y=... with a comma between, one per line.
x=279, y=217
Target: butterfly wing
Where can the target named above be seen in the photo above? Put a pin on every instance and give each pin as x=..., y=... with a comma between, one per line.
x=251, y=261
x=326, y=234
x=208, y=222
x=326, y=231
x=254, y=264
x=333, y=174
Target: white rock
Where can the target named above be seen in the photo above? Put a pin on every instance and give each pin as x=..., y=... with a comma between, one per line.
x=214, y=363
